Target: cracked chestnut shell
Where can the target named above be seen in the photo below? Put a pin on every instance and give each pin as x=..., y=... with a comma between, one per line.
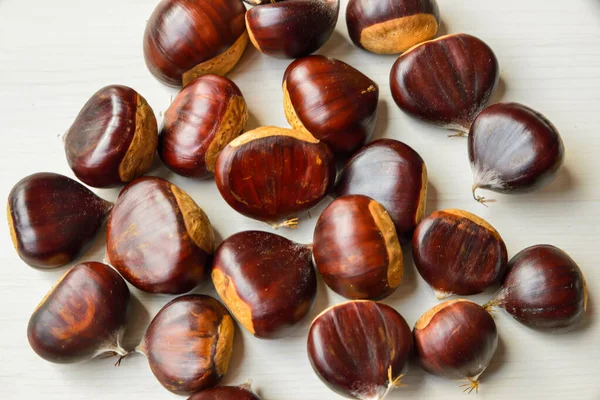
x=204, y=117
x=185, y=39
x=445, y=81
x=458, y=253
x=113, y=139
x=52, y=219
x=393, y=174
x=189, y=344
x=391, y=27
x=267, y=281
x=243, y=392
x=158, y=238
x=356, y=248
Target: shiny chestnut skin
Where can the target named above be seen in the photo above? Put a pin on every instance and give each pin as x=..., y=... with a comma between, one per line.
x=445, y=81
x=226, y=393
x=332, y=101
x=356, y=248
x=52, y=219
x=391, y=27
x=82, y=316
x=158, y=238
x=204, y=117
x=457, y=252
x=261, y=2
x=292, y=28
x=267, y=281
x=272, y=174
x=189, y=344
x=185, y=39
x=395, y=175
x=360, y=348
x=113, y=139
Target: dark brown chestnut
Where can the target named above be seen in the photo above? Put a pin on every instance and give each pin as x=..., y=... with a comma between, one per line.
x=186, y=39
x=82, y=316
x=458, y=253
x=261, y=2
x=360, y=348
x=113, y=139
x=391, y=27
x=544, y=289
x=204, y=117
x=158, y=238
x=189, y=344
x=356, y=248
x=456, y=339
x=513, y=149
x=52, y=218
x=267, y=281
x=395, y=175
x=243, y=392
x=445, y=81
x=272, y=174
x=292, y=28
x=332, y=101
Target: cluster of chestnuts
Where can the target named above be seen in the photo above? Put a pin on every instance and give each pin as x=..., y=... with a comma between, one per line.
x=160, y=241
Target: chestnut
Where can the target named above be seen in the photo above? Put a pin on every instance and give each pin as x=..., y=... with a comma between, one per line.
x=393, y=174
x=513, y=149
x=261, y=2
x=292, y=28
x=187, y=39
x=204, y=117
x=52, y=219
x=267, y=281
x=391, y=27
x=158, y=238
x=360, y=348
x=243, y=392
x=272, y=174
x=458, y=253
x=356, y=248
x=82, y=316
x=445, y=81
x=544, y=289
x=113, y=139
x=189, y=344
x=456, y=339
x=334, y=102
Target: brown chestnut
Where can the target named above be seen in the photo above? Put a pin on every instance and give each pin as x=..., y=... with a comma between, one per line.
x=393, y=174
x=186, y=39
x=360, y=348
x=334, y=102
x=267, y=281
x=243, y=392
x=544, y=289
x=292, y=28
x=52, y=218
x=513, y=149
x=445, y=81
x=82, y=316
x=391, y=27
x=204, y=117
x=456, y=339
x=113, y=139
x=356, y=248
x=189, y=344
x=458, y=253
x=158, y=238
x=261, y=2
x=272, y=174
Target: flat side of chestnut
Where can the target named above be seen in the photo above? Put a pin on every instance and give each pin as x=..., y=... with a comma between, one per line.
x=225, y=393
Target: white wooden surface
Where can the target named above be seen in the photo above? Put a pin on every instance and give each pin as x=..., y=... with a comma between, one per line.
x=55, y=54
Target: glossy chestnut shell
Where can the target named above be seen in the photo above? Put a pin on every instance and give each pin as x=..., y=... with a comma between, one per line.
x=356, y=248
x=261, y=2
x=332, y=101
x=226, y=393
x=393, y=174
x=158, y=238
x=457, y=252
x=267, y=281
x=52, y=219
x=204, y=117
x=82, y=316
